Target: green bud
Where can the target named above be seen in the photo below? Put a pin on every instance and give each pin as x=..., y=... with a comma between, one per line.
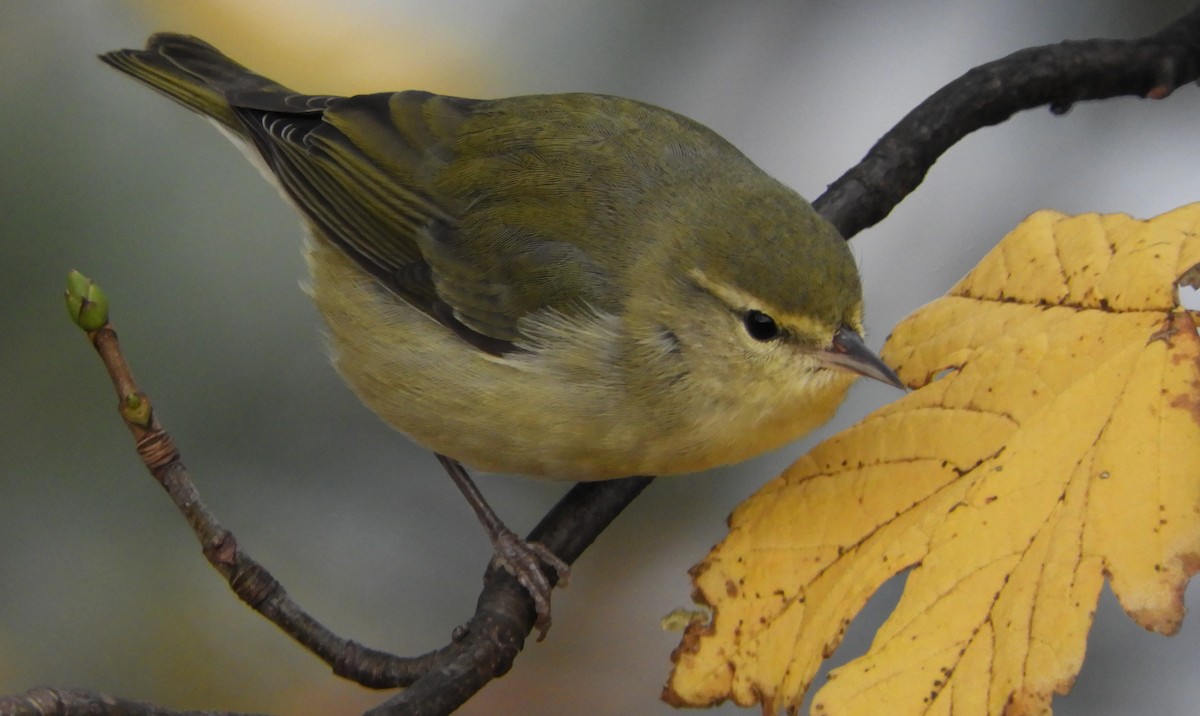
x=135, y=409
x=86, y=303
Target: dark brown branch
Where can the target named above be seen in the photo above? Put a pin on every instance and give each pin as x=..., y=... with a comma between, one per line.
x=44, y=701
x=481, y=650
x=487, y=645
x=1057, y=76
x=252, y=583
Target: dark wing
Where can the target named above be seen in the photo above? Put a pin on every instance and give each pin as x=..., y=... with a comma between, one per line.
x=366, y=172
x=375, y=175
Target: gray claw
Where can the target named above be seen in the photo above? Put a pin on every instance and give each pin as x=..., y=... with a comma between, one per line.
x=524, y=560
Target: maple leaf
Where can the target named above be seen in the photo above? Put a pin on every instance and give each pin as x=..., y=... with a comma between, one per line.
x=1055, y=442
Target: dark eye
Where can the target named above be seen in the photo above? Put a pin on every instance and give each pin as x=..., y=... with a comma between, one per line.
x=760, y=326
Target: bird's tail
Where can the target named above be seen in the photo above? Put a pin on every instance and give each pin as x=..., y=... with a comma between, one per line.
x=196, y=75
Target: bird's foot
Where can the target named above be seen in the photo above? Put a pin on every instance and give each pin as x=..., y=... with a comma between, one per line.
x=525, y=560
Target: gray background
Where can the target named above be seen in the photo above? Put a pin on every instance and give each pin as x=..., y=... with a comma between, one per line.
x=100, y=583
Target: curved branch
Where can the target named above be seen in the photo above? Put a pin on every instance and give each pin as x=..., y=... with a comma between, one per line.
x=1055, y=75
x=44, y=701
x=441, y=680
x=487, y=645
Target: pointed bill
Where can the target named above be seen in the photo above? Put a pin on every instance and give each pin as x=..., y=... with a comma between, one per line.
x=849, y=352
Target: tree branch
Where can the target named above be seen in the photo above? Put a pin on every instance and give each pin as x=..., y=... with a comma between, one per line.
x=481, y=650
x=44, y=701
x=248, y=579
x=504, y=615
x=1056, y=75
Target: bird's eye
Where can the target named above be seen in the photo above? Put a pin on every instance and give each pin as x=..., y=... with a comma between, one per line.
x=760, y=326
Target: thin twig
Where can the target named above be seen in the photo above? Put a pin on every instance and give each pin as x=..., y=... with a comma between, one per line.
x=252, y=583
x=481, y=650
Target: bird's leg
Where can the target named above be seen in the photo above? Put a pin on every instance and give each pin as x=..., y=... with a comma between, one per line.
x=520, y=558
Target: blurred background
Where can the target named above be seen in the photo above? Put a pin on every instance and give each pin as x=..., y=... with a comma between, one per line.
x=101, y=584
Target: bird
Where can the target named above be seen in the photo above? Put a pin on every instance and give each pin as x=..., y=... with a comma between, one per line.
x=566, y=286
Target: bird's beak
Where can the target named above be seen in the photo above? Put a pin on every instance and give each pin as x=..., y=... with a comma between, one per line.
x=848, y=352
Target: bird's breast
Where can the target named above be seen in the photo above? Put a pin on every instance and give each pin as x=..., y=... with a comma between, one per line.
x=564, y=412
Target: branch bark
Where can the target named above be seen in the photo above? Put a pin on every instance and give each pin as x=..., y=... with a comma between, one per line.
x=1056, y=76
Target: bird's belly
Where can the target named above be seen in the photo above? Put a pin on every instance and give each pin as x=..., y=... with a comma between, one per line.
x=500, y=415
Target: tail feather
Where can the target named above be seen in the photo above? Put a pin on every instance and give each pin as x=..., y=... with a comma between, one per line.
x=362, y=170
x=196, y=74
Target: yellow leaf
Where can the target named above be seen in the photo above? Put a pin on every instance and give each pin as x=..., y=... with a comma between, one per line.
x=1055, y=441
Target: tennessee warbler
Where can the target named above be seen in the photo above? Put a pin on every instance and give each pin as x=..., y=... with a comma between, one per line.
x=570, y=286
